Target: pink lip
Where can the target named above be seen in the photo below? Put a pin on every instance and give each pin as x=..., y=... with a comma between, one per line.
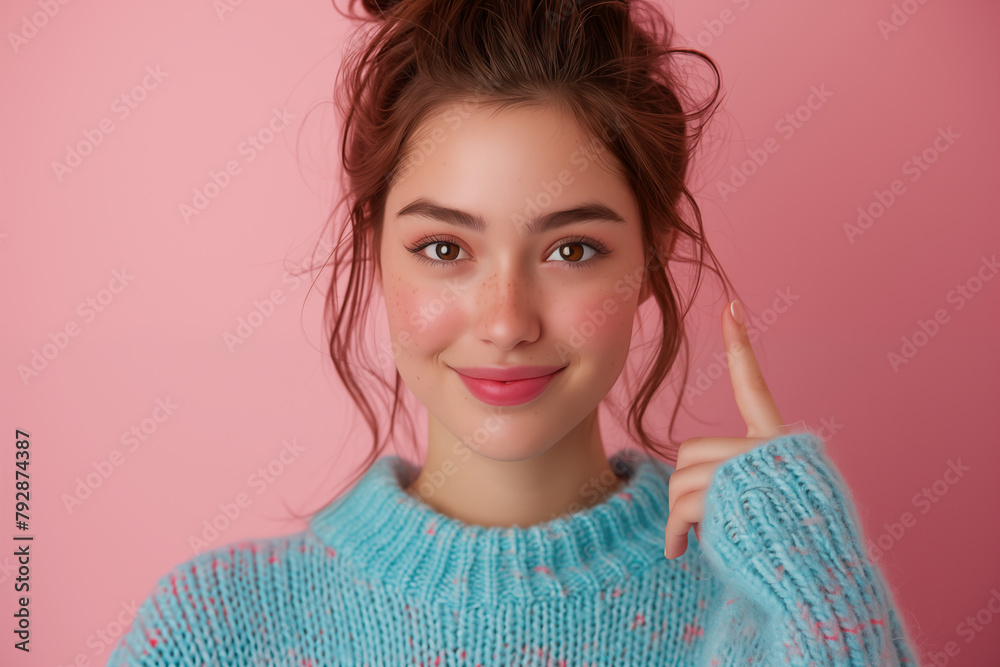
x=507, y=386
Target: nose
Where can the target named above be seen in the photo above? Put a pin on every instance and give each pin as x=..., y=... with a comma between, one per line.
x=507, y=315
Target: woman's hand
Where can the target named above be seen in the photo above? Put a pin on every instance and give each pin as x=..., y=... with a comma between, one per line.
x=698, y=458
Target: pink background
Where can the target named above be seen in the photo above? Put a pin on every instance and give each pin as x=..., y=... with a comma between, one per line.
x=892, y=432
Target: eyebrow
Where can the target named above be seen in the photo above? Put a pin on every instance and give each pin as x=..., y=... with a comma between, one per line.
x=587, y=212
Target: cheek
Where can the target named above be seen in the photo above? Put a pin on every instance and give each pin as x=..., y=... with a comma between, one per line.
x=420, y=317
x=598, y=322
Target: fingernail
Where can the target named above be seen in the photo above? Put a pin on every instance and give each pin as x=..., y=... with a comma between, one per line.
x=737, y=310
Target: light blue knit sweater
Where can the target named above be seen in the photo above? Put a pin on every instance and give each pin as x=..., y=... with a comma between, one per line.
x=379, y=578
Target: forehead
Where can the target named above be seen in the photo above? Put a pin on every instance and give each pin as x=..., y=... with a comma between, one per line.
x=486, y=157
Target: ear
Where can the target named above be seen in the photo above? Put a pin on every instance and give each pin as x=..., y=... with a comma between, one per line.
x=670, y=242
x=644, y=292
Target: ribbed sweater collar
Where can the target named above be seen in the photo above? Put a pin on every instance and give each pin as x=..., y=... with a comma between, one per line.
x=397, y=540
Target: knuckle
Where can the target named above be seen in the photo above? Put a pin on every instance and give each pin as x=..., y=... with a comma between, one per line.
x=736, y=349
x=682, y=508
x=756, y=382
x=685, y=450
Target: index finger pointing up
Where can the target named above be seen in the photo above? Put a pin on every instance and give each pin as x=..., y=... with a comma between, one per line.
x=753, y=398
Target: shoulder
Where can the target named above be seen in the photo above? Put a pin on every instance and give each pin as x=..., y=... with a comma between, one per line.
x=195, y=610
x=252, y=562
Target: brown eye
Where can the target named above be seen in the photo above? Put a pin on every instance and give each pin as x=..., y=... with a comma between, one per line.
x=573, y=252
x=569, y=253
x=442, y=252
x=445, y=255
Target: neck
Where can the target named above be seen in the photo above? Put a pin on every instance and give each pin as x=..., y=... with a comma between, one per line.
x=572, y=474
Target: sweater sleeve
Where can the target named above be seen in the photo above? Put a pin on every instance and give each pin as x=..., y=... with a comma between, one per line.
x=782, y=534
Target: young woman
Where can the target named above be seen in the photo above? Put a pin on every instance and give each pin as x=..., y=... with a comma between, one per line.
x=516, y=172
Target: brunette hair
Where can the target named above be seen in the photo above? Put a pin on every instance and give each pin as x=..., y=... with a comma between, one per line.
x=610, y=62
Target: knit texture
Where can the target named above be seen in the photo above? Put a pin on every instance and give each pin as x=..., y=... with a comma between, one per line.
x=780, y=577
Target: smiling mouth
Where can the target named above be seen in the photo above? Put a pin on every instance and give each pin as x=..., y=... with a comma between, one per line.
x=508, y=392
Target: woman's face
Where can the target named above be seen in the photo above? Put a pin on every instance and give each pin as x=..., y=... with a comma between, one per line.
x=508, y=294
